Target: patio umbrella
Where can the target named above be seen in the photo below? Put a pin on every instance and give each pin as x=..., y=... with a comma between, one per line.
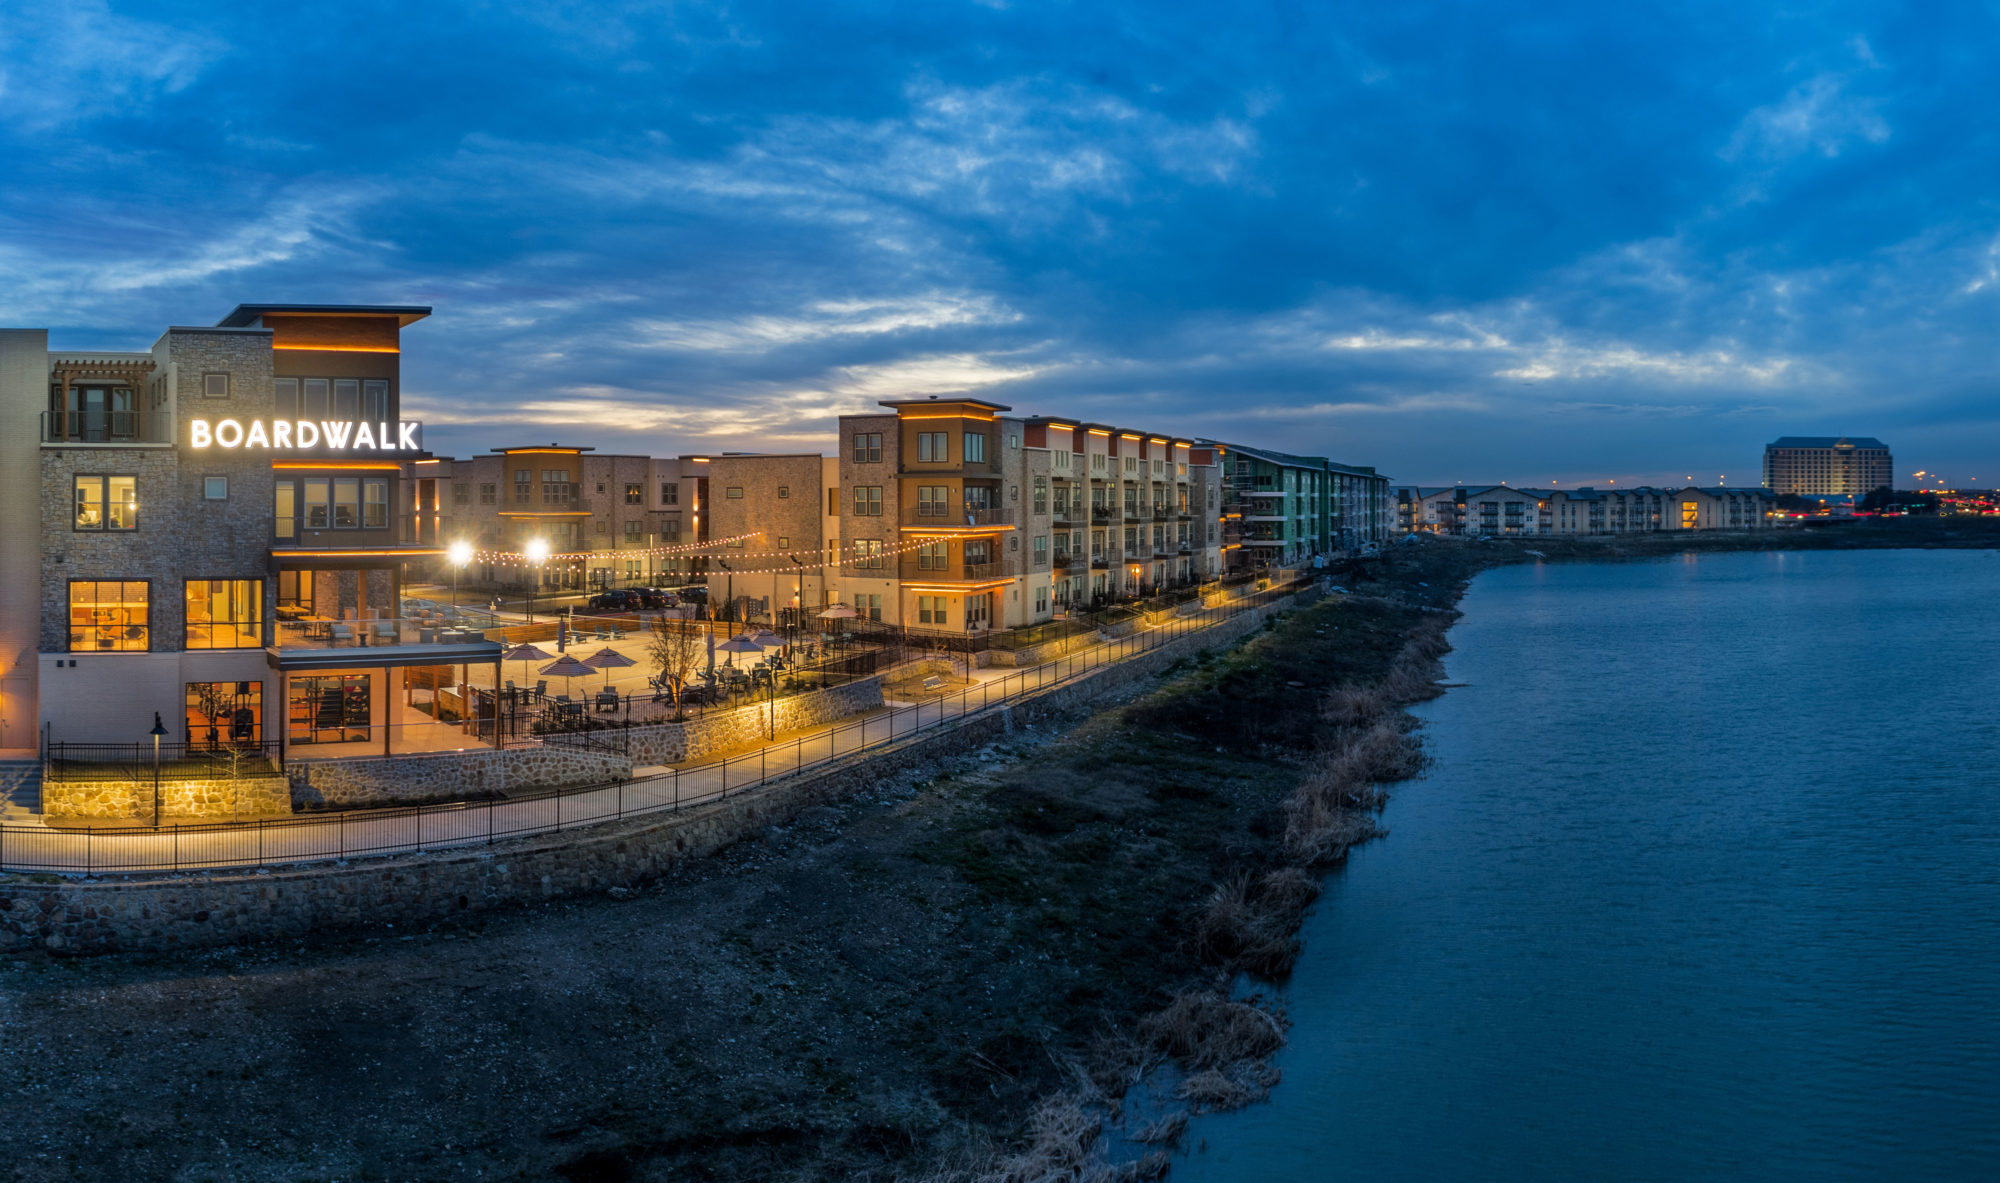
x=741, y=643
x=839, y=612
x=566, y=667
x=608, y=659
x=524, y=652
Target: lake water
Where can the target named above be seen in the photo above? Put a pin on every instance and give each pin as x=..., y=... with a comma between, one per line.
x=1704, y=884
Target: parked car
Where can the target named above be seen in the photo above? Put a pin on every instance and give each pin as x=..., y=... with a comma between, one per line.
x=616, y=600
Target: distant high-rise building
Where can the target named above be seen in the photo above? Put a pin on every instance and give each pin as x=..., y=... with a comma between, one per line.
x=1828, y=466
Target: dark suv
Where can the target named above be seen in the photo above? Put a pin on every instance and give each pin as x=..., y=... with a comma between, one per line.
x=617, y=600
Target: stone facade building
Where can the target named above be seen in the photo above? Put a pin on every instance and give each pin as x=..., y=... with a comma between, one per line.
x=218, y=545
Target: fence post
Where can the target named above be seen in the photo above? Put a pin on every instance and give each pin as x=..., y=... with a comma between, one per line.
x=677, y=790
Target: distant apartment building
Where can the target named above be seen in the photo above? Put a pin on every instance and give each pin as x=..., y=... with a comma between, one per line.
x=956, y=516
x=1828, y=466
x=1285, y=510
x=1497, y=511
x=629, y=520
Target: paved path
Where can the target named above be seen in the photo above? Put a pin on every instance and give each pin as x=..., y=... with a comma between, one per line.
x=360, y=833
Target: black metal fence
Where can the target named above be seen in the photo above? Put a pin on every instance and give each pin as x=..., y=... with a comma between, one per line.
x=319, y=837
x=173, y=761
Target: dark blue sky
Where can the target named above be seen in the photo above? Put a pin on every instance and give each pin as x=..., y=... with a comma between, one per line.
x=1552, y=242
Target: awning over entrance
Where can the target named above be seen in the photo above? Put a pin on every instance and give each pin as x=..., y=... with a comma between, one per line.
x=383, y=656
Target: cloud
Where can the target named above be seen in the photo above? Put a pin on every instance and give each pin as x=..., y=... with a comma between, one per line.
x=66, y=61
x=1821, y=115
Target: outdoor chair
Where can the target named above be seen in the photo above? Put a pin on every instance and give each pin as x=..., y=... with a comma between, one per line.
x=385, y=630
x=342, y=634
x=541, y=690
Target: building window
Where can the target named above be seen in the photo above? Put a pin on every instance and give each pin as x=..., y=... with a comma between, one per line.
x=784, y=491
x=868, y=605
x=346, y=398
x=523, y=486
x=287, y=392
x=868, y=553
x=215, y=386
x=931, y=501
x=1013, y=441
x=932, y=556
x=635, y=494
x=733, y=492
x=346, y=503
x=670, y=493
x=868, y=448
x=600, y=525
x=285, y=510
x=109, y=617
x=1041, y=599
x=933, y=447
x=225, y=613
x=556, y=487
x=489, y=493
x=932, y=610
x=868, y=501
x=220, y=714
x=461, y=493
x=975, y=447
x=215, y=488
x=632, y=531
x=107, y=503
x=375, y=400
x=1042, y=494
x=1041, y=550
x=784, y=543
x=375, y=503
x=318, y=397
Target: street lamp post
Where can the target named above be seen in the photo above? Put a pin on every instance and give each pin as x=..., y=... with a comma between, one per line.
x=159, y=733
x=537, y=552
x=460, y=554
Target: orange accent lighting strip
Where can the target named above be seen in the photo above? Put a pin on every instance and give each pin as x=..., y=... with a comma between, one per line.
x=956, y=587
x=368, y=465
x=542, y=451
x=966, y=415
x=339, y=348
x=385, y=552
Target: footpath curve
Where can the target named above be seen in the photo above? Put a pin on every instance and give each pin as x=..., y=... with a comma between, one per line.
x=246, y=882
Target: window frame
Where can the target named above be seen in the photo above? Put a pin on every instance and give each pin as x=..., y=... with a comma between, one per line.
x=209, y=384
x=188, y=625
x=206, y=495
x=104, y=502
x=69, y=618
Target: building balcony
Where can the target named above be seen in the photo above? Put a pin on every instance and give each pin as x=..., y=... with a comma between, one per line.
x=958, y=520
x=914, y=570
x=1099, y=563
x=1061, y=560
x=1100, y=514
x=110, y=428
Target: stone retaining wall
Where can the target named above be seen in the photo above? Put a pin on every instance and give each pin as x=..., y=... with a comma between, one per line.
x=132, y=800
x=446, y=776
x=701, y=736
x=1046, y=651
x=200, y=909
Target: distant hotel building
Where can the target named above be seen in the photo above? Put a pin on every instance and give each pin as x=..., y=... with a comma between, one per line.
x=1828, y=466
x=1501, y=512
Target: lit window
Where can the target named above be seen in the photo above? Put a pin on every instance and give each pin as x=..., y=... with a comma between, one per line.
x=109, y=617
x=375, y=503
x=106, y=503
x=225, y=613
x=734, y=492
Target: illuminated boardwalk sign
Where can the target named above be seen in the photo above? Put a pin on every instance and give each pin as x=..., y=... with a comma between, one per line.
x=293, y=435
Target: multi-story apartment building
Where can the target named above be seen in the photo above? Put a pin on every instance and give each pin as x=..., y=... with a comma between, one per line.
x=1498, y=511
x=629, y=520
x=1828, y=466
x=217, y=546
x=955, y=516
x=1285, y=510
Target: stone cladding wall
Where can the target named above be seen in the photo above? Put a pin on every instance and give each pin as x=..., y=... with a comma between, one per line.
x=446, y=776
x=132, y=800
x=202, y=909
x=702, y=736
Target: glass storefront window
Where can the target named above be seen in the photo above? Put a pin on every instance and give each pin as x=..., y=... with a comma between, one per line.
x=328, y=709
x=224, y=714
x=109, y=617
x=225, y=613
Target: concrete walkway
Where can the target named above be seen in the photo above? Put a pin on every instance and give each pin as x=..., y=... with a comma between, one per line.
x=307, y=838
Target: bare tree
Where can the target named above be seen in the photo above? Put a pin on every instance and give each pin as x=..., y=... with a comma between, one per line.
x=678, y=651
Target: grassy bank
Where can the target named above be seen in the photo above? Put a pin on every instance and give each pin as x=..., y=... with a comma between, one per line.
x=956, y=973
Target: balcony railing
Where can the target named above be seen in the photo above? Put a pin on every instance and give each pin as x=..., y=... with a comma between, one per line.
x=316, y=632
x=1100, y=513
x=1001, y=568
x=107, y=427
x=960, y=517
